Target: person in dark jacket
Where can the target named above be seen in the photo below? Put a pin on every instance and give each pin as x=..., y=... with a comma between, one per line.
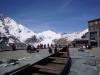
x=34, y=49
x=29, y=48
x=13, y=47
x=55, y=50
x=50, y=50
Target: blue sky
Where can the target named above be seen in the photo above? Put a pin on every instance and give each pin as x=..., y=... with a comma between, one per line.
x=56, y=15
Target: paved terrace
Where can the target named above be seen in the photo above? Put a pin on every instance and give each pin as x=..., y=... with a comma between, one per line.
x=23, y=57
x=83, y=63
x=96, y=52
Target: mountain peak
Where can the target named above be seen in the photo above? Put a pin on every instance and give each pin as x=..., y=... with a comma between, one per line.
x=15, y=29
x=23, y=33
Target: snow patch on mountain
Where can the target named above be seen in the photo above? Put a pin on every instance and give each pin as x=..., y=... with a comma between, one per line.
x=81, y=33
x=2, y=30
x=19, y=31
x=23, y=33
x=48, y=36
x=75, y=35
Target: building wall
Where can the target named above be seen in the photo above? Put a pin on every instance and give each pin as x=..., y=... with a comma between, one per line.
x=94, y=30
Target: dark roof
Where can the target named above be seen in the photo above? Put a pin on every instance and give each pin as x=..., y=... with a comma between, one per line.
x=80, y=40
x=94, y=20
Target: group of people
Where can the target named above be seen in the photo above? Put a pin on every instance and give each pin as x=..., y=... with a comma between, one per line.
x=41, y=46
x=51, y=50
x=44, y=46
x=31, y=49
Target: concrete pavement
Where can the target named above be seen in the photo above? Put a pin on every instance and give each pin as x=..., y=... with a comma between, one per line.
x=83, y=62
x=23, y=57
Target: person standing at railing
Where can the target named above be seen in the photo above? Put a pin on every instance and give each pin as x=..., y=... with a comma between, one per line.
x=13, y=47
x=50, y=50
x=29, y=48
x=55, y=50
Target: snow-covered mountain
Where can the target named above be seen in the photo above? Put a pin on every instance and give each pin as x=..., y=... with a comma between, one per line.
x=75, y=35
x=23, y=33
x=15, y=29
x=48, y=36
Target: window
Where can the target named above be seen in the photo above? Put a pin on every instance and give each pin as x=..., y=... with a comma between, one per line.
x=91, y=23
x=96, y=22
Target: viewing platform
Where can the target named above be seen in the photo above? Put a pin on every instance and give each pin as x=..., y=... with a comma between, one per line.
x=34, y=61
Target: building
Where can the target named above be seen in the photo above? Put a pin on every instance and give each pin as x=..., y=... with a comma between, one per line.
x=81, y=42
x=94, y=32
